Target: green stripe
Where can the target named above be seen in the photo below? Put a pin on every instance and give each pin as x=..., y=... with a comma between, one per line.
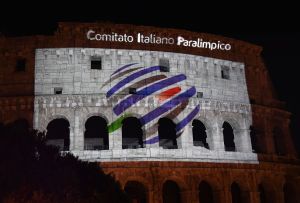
x=115, y=125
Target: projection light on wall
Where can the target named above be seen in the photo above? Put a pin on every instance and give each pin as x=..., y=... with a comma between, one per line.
x=172, y=98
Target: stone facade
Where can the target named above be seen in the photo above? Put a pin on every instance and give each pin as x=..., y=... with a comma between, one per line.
x=277, y=173
x=83, y=97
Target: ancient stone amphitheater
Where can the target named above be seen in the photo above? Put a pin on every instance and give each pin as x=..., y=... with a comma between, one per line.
x=176, y=116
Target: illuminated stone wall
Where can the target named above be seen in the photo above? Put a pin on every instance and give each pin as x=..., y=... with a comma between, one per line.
x=85, y=90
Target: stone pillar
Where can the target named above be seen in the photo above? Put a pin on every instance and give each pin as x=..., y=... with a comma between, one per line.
x=216, y=134
x=116, y=139
x=219, y=196
x=187, y=137
x=150, y=197
x=254, y=196
x=194, y=195
x=77, y=140
x=36, y=115
x=242, y=140
x=226, y=198
x=186, y=196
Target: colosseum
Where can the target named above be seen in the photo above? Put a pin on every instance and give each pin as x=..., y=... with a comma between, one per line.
x=176, y=116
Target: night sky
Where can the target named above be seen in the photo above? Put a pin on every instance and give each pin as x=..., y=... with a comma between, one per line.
x=273, y=27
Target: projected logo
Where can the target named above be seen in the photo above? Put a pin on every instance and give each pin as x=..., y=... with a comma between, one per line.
x=131, y=84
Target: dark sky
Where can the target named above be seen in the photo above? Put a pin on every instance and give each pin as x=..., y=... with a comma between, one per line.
x=274, y=27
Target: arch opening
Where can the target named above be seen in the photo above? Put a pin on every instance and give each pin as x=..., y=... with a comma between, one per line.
x=132, y=133
x=58, y=134
x=205, y=193
x=228, y=136
x=199, y=134
x=96, y=134
x=167, y=133
x=236, y=196
x=171, y=192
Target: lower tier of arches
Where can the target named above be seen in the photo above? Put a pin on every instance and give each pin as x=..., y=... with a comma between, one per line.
x=149, y=182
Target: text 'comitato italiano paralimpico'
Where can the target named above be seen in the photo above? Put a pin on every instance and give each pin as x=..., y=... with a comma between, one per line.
x=154, y=39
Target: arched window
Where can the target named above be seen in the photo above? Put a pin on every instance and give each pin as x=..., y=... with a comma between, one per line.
x=254, y=141
x=205, y=193
x=58, y=134
x=96, y=134
x=199, y=134
x=278, y=141
x=228, y=137
x=132, y=133
x=171, y=192
x=262, y=194
x=167, y=133
x=236, y=196
x=136, y=192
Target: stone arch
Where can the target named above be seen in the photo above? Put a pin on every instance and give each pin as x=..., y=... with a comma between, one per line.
x=216, y=184
x=214, y=181
x=96, y=133
x=58, y=133
x=244, y=189
x=229, y=137
x=256, y=139
x=181, y=183
x=102, y=115
x=208, y=120
x=234, y=122
x=200, y=137
x=167, y=133
x=236, y=193
x=56, y=116
x=138, y=116
x=268, y=188
x=171, y=192
x=140, y=179
x=132, y=133
x=206, y=194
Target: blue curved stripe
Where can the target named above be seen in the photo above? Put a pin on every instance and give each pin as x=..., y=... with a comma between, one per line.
x=179, y=125
x=129, y=101
x=187, y=119
x=130, y=78
x=152, y=140
x=123, y=67
x=168, y=105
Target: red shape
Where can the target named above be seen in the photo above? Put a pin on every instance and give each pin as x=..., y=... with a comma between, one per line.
x=168, y=93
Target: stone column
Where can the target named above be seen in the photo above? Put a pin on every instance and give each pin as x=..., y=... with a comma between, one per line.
x=150, y=198
x=226, y=197
x=216, y=134
x=254, y=196
x=187, y=137
x=77, y=140
x=36, y=115
x=242, y=140
x=194, y=195
x=186, y=196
